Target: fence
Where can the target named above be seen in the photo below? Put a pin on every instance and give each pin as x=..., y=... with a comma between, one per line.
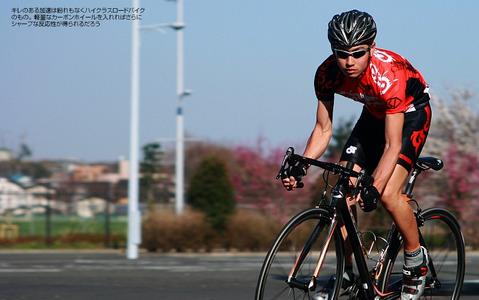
x=98, y=209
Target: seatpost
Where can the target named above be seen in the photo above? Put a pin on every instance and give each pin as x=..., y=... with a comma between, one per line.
x=410, y=184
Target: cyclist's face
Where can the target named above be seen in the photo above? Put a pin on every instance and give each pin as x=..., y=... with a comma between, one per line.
x=354, y=60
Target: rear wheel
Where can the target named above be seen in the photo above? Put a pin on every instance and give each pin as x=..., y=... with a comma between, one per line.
x=441, y=235
x=309, y=227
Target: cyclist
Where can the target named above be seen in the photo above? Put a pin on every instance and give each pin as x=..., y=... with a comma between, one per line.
x=388, y=136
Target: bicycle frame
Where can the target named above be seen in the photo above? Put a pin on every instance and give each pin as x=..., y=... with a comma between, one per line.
x=356, y=244
x=342, y=214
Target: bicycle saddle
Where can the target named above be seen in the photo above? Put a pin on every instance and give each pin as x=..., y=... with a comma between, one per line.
x=426, y=163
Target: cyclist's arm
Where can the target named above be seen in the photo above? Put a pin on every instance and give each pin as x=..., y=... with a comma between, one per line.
x=323, y=130
x=385, y=168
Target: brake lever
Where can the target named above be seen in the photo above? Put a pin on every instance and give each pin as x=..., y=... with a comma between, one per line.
x=359, y=180
x=286, y=157
x=363, y=179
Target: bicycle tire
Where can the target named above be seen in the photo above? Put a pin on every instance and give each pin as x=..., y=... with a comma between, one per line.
x=272, y=282
x=441, y=235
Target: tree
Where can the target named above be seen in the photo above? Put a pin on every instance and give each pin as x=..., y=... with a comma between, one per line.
x=211, y=192
x=150, y=168
x=196, y=152
x=460, y=195
x=454, y=137
x=454, y=122
x=23, y=152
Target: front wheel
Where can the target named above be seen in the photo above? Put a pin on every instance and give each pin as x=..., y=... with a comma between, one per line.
x=441, y=234
x=311, y=228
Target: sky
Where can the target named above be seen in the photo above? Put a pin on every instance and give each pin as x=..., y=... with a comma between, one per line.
x=249, y=64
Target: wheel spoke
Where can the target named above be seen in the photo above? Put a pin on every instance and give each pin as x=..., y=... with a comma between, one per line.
x=272, y=283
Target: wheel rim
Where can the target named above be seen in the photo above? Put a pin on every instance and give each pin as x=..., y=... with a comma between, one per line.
x=277, y=267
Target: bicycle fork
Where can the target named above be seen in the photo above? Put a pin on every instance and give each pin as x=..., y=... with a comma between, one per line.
x=311, y=285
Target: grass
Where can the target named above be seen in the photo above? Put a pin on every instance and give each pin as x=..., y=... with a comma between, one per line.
x=162, y=230
x=64, y=232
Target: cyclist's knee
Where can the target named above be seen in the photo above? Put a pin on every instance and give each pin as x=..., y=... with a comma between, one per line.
x=390, y=197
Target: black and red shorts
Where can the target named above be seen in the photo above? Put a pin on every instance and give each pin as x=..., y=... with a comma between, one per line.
x=366, y=143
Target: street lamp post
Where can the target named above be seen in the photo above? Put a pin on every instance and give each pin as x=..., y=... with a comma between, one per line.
x=180, y=92
x=134, y=216
x=178, y=26
x=134, y=219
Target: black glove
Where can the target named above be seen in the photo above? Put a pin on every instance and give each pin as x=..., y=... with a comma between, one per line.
x=298, y=172
x=370, y=196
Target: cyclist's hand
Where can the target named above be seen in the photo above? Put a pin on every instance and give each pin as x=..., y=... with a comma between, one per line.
x=291, y=177
x=290, y=183
x=368, y=198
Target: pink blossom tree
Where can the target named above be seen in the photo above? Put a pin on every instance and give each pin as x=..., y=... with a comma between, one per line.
x=256, y=184
x=454, y=137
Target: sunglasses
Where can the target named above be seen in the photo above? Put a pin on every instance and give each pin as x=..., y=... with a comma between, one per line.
x=345, y=54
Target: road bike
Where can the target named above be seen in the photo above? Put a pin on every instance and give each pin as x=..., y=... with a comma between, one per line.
x=309, y=251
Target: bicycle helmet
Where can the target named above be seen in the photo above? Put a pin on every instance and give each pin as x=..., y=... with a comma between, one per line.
x=351, y=28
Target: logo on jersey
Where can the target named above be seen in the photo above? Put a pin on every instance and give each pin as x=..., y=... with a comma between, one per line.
x=393, y=102
x=351, y=150
x=381, y=80
x=383, y=56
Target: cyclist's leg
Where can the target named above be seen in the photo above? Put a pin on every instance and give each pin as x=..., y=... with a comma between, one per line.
x=399, y=209
x=415, y=130
x=441, y=235
x=415, y=256
x=363, y=149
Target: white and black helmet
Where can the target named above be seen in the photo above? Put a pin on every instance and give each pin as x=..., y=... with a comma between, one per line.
x=351, y=28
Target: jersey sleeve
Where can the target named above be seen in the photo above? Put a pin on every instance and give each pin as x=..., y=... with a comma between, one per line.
x=407, y=87
x=395, y=97
x=327, y=79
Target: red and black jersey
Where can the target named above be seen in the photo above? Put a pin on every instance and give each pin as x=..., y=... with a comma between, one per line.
x=390, y=84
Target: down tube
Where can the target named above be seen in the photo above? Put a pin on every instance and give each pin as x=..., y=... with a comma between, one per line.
x=361, y=263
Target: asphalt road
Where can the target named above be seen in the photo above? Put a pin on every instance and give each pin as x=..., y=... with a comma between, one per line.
x=109, y=275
